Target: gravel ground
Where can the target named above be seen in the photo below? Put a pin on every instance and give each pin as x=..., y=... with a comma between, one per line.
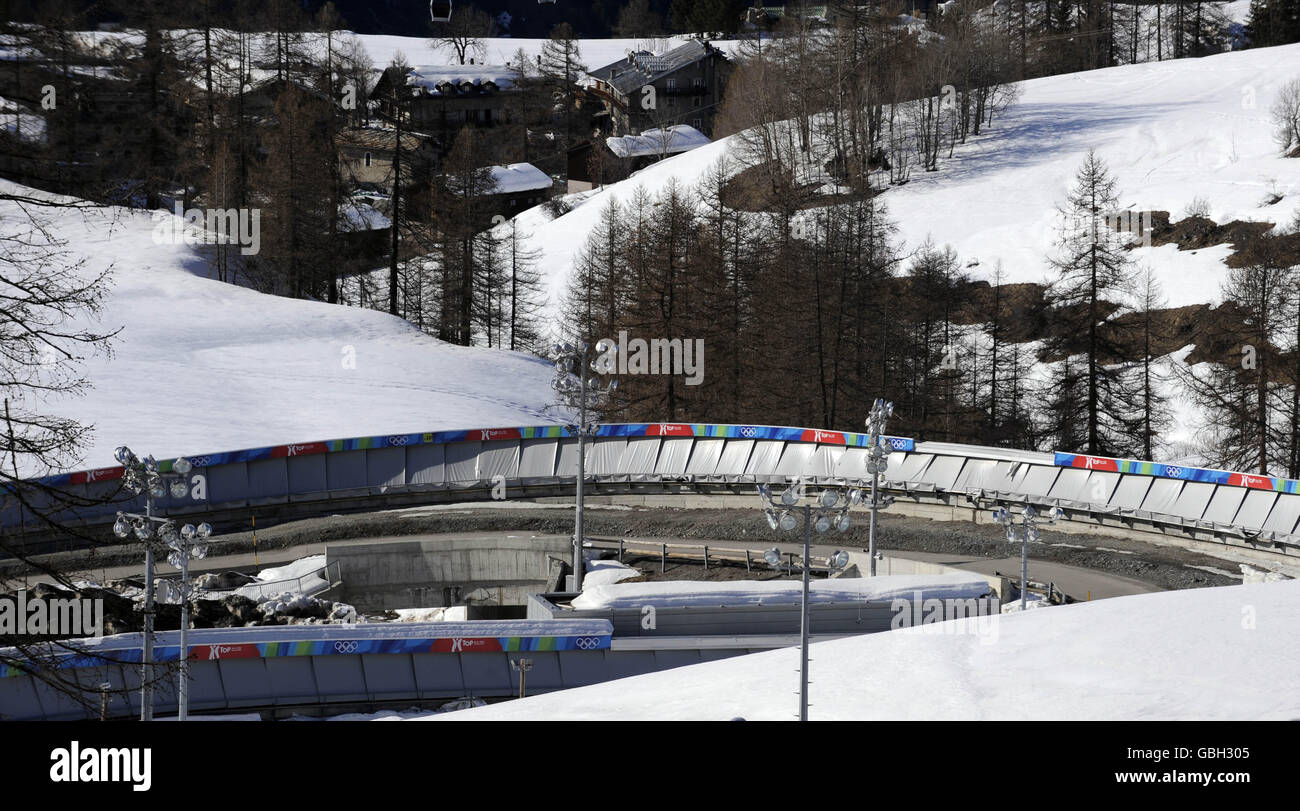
x=1161, y=566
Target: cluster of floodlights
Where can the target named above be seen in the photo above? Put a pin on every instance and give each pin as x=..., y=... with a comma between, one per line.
x=1029, y=518
x=877, y=455
x=836, y=560
x=143, y=476
x=832, y=510
x=572, y=363
x=1026, y=534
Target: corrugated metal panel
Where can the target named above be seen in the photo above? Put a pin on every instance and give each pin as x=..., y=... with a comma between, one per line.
x=307, y=474
x=567, y=465
x=894, y=461
x=1130, y=491
x=942, y=472
x=386, y=467
x=1034, y=480
x=764, y=458
x=852, y=463
x=498, y=457
x=1162, y=496
x=974, y=474
x=674, y=456
x=795, y=459
x=462, y=463
x=605, y=456
x=735, y=459
x=346, y=471
x=640, y=456
x=537, y=460
x=1224, y=504
x=705, y=454
x=1193, y=500
x=268, y=480
x=911, y=468
x=1282, y=518
x=390, y=676
x=825, y=460
x=1101, y=484
x=425, y=464
x=1254, y=510
x=1070, y=485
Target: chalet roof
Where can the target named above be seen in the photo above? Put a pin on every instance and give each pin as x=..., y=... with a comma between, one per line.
x=274, y=84
x=460, y=79
x=355, y=215
x=779, y=11
x=519, y=177
x=642, y=67
x=378, y=139
x=667, y=141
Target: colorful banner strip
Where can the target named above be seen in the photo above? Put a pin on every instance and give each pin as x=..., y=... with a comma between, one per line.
x=341, y=647
x=491, y=434
x=1191, y=474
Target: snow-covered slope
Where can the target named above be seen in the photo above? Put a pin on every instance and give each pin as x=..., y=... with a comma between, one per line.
x=1170, y=131
x=201, y=365
x=1223, y=653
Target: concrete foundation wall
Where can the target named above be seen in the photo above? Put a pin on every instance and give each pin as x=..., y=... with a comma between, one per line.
x=428, y=573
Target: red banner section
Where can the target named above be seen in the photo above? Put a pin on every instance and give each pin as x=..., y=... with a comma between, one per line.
x=827, y=437
x=465, y=644
x=225, y=652
x=1095, y=463
x=304, y=449
x=668, y=429
x=1247, y=480
x=103, y=474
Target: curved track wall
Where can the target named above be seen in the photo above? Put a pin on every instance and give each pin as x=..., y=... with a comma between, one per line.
x=1260, y=513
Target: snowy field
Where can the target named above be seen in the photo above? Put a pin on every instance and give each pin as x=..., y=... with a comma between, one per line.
x=1214, y=654
x=1170, y=132
x=202, y=366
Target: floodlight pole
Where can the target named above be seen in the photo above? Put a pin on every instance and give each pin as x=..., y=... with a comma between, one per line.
x=871, y=524
x=803, y=624
x=183, y=688
x=580, y=565
x=833, y=507
x=880, y=413
x=146, y=660
x=575, y=361
x=150, y=529
x=1028, y=519
x=1024, y=568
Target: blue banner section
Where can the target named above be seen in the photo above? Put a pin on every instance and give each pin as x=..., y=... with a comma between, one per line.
x=1166, y=471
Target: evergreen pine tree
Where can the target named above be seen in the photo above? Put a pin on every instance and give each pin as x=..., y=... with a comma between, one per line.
x=1093, y=271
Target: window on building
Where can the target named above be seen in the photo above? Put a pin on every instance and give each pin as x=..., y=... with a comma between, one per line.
x=698, y=81
x=368, y=159
x=672, y=84
x=697, y=124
